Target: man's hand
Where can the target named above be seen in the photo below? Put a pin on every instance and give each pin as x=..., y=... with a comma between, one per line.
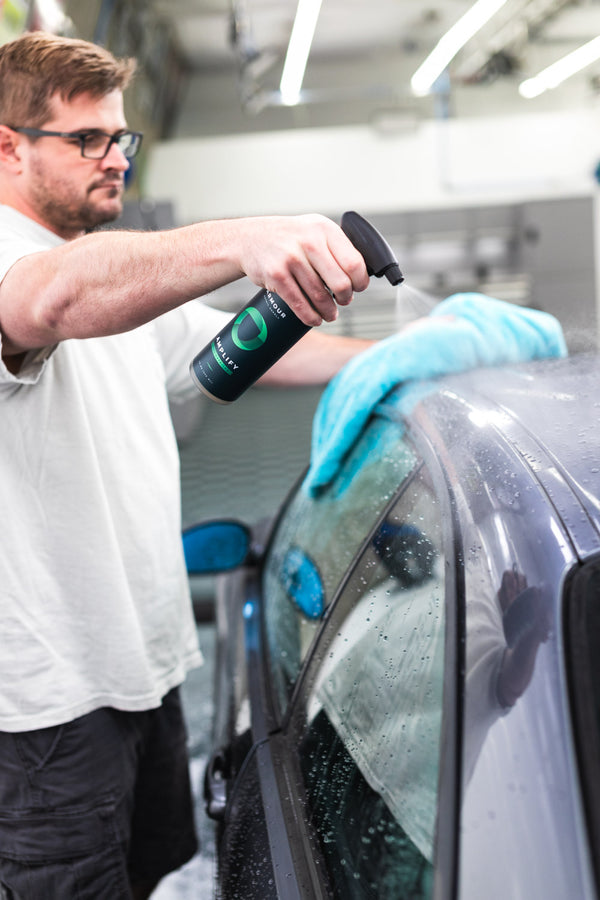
x=307, y=260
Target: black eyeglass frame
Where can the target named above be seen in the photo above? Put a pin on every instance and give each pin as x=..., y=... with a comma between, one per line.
x=82, y=136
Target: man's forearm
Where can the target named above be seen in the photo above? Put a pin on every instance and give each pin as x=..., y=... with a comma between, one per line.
x=107, y=283
x=314, y=360
x=110, y=282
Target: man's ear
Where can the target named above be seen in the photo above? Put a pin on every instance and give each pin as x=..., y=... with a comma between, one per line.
x=10, y=149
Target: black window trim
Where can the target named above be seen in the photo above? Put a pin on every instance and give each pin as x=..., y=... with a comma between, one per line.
x=447, y=841
x=297, y=873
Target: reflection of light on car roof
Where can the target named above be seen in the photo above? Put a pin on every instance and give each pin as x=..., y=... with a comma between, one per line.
x=481, y=418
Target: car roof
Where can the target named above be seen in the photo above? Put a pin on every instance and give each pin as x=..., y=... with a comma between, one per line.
x=546, y=413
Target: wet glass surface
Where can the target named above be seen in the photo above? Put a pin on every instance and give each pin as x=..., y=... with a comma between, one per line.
x=326, y=534
x=370, y=752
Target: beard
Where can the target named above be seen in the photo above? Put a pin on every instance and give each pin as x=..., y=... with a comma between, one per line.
x=69, y=209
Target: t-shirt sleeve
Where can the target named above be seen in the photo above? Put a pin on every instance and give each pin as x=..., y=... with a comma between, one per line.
x=180, y=335
x=35, y=360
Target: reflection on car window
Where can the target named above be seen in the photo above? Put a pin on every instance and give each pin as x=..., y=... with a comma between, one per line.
x=318, y=539
x=370, y=750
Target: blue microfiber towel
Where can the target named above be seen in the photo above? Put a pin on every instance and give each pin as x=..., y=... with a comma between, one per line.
x=465, y=331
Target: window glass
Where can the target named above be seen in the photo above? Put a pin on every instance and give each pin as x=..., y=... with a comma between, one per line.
x=587, y=590
x=317, y=540
x=371, y=742
x=583, y=659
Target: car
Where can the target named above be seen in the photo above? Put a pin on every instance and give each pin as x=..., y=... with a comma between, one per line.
x=407, y=688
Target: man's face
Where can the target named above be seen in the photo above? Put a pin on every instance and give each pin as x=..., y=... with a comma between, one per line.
x=65, y=191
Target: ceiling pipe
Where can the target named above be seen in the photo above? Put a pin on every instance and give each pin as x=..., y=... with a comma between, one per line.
x=450, y=43
x=519, y=29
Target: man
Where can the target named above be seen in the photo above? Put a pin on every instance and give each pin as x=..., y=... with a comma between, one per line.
x=96, y=332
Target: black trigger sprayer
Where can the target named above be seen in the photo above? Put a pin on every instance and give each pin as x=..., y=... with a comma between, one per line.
x=266, y=328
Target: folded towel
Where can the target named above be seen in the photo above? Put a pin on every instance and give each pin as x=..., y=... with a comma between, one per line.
x=465, y=331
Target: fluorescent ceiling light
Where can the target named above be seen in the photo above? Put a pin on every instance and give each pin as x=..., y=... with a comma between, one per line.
x=449, y=45
x=52, y=15
x=298, y=50
x=557, y=73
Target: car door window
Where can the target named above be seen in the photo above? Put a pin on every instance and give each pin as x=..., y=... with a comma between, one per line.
x=582, y=635
x=370, y=745
x=317, y=541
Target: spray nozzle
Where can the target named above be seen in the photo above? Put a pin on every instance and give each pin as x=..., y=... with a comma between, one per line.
x=374, y=249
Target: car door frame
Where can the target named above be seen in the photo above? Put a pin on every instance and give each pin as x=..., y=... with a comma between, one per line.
x=303, y=849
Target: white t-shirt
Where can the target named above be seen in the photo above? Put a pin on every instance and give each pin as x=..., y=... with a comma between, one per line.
x=94, y=598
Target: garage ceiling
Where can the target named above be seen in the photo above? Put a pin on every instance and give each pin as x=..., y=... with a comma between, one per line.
x=218, y=62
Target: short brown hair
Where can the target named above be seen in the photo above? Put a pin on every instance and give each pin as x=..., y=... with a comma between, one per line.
x=36, y=66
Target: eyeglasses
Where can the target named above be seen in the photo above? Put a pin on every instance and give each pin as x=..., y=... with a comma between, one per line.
x=93, y=144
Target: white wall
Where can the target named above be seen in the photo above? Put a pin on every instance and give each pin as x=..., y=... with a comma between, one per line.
x=457, y=163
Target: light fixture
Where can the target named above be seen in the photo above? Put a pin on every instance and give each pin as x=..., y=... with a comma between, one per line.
x=298, y=50
x=51, y=15
x=562, y=69
x=449, y=45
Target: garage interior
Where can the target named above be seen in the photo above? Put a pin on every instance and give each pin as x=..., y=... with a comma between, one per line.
x=476, y=186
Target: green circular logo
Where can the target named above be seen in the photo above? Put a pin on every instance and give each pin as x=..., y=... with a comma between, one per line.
x=260, y=323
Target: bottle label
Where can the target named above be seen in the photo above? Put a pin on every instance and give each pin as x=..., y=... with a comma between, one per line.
x=247, y=347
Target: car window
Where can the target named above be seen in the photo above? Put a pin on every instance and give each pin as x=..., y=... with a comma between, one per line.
x=371, y=740
x=583, y=658
x=317, y=540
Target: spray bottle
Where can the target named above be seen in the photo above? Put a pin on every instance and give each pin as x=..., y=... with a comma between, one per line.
x=266, y=328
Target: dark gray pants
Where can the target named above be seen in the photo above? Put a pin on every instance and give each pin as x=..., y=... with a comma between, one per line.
x=89, y=807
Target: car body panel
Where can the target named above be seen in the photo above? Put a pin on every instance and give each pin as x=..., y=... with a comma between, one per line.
x=527, y=752
x=550, y=412
x=513, y=458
